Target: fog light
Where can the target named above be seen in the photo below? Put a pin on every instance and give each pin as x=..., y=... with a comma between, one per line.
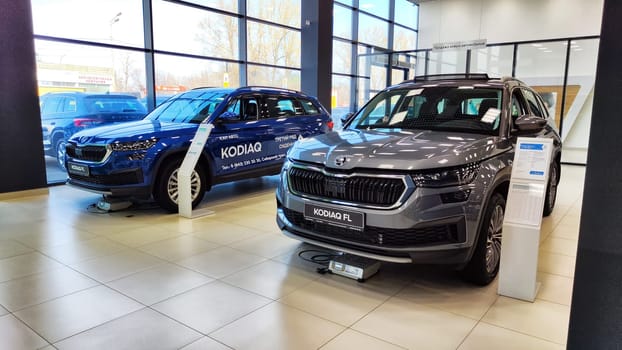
x=136, y=156
x=455, y=197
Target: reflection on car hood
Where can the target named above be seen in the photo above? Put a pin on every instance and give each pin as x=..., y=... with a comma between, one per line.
x=133, y=131
x=399, y=149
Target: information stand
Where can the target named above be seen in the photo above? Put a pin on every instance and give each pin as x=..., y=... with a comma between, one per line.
x=523, y=217
x=184, y=199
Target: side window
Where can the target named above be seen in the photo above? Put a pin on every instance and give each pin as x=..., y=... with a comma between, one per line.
x=532, y=101
x=516, y=109
x=280, y=107
x=241, y=109
x=70, y=105
x=50, y=105
x=308, y=107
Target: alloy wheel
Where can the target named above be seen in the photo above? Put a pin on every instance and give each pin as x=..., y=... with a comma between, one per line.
x=493, y=239
x=172, y=187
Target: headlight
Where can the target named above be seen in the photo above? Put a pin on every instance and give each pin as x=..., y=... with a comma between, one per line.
x=133, y=145
x=447, y=176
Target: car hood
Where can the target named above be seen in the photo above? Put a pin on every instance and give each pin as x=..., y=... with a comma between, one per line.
x=132, y=131
x=400, y=149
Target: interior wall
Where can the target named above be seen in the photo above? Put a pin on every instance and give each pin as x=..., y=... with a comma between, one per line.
x=506, y=20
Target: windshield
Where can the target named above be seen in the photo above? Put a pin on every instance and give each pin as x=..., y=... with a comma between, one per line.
x=460, y=109
x=188, y=108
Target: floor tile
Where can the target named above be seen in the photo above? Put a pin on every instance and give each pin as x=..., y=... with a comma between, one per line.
x=143, y=329
x=66, y=316
x=560, y=246
x=255, y=220
x=220, y=262
x=178, y=248
x=555, y=288
x=541, y=319
x=556, y=264
x=224, y=233
x=206, y=343
x=74, y=252
x=268, y=245
x=470, y=301
x=34, y=289
x=25, y=264
x=271, y=279
x=489, y=337
x=211, y=306
x=158, y=283
x=277, y=326
x=16, y=335
x=350, y=339
x=3, y=311
x=10, y=247
x=341, y=300
x=51, y=234
x=142, y=236
x=118, y=265
x=415, y=326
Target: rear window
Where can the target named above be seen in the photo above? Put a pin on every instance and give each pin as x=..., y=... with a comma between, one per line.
x=107, y=104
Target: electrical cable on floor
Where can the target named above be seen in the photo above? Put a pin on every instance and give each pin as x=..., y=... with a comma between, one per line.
x=320, y=257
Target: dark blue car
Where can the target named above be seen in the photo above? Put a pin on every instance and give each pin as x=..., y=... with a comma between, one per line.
x=65, y=113
x=253, y=129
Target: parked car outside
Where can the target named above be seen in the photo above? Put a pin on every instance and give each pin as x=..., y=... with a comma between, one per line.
x=419, y=175
x=65, y=113
x=253, y=129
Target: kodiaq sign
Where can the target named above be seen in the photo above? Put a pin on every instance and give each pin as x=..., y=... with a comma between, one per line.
x=240, y=150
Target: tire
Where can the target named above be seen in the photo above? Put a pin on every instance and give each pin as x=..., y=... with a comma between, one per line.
x=551, y=191
x=165, y=191
x=484, y=264
x=59, y=152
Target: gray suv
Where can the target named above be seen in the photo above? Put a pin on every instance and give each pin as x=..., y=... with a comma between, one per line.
x=419, y=175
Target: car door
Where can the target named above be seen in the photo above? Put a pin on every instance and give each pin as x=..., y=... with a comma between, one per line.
x=240, y=138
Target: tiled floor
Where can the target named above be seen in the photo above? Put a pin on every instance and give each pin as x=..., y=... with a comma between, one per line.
x=144, y=279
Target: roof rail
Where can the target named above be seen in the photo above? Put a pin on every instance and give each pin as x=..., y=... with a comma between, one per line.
x=452, y=76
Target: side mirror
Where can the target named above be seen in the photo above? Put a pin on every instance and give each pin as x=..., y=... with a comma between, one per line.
x=529, y=123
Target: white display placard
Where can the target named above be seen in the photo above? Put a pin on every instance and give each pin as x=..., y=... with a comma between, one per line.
x=184, y=199
x=523, y=218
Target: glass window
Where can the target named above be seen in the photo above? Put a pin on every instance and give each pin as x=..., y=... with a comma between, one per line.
x=342, y=57
x=443, y=62
x=579, y=99
x=404, y=39
x=541, y=66
x=373, y=31
x=178, y=28
x=309, y=107
x=340, y=101
x=190, y=108
x=241, y=109
x=494, y=60
x=274, y=45
x=227, y=5
x=406, y=13
x=276, y=77
x=176, y=74
x=113, y=21
x=342, y=22
x=377, y=7
x=285, y=12
x=279, y=107
x=345, y=2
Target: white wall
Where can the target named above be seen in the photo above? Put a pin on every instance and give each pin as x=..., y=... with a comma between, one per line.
x=506, y=20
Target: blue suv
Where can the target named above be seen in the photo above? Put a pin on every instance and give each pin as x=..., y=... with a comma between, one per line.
x=253, y=129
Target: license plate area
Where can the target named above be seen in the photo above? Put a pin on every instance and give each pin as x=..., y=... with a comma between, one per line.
x=78, y=169
x=352, y=220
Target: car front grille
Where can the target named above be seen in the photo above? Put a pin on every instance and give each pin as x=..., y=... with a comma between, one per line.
x=125, y=178
x=367, y=190
x=379, y=236
x=86, y=153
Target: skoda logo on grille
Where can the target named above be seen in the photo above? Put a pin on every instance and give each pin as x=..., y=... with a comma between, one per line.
x=340, y=161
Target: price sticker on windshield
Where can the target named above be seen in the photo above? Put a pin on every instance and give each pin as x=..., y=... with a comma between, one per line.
x=491, y=115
